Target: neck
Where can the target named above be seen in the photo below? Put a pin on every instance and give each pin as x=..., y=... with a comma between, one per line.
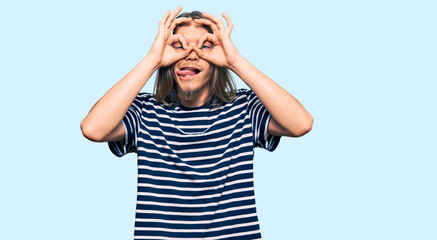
x=191, y=104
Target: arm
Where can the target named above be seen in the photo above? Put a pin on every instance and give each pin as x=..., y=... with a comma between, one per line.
x=289, y=117
x=104, y=121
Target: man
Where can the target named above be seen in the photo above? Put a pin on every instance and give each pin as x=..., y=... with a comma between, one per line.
x=195, y=136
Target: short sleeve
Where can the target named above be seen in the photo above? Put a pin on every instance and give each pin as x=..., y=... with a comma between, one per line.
x=260, y=118
x=131, y=123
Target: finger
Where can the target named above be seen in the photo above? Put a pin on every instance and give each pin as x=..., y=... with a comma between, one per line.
x=164, y=20
x=207, y=22
x=207, y=37
x=177, y=38
x=175, y=12
x=184, y=53
x=229, y=24
x=178, y=22
x=172, y=16
x=203, y=54
x=188, y=50
x=215, y=19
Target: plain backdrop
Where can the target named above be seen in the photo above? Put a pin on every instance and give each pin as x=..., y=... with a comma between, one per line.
x=366, y=71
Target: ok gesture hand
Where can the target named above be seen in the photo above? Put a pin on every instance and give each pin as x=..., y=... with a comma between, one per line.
x=162, y=51
x=223, y=53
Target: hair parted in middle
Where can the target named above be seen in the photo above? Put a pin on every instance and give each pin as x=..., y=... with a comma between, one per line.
x=222, y=86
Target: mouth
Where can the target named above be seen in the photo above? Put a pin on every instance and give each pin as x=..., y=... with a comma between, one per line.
x=186, y=73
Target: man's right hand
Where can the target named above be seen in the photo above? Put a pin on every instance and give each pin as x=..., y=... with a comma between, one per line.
x=104, y=121
x=162, y=51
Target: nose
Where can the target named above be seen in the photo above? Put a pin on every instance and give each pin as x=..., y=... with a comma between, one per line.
x=193, y=56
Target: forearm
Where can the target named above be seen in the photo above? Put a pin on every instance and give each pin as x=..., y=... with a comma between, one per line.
x=108, y=112
x=285, y=109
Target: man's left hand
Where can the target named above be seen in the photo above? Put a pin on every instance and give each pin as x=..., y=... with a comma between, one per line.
x=223, y=53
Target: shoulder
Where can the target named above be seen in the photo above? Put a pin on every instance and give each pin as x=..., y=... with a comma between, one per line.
x=242, y=92
x=242, y=95
x=148, y=103
x=145, y=98
x=248, y=93
x=242, y=100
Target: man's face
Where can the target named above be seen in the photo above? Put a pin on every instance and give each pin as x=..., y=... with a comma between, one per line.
x=192, y=73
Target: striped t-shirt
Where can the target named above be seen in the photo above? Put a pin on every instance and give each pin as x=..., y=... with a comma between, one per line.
x=195, y=167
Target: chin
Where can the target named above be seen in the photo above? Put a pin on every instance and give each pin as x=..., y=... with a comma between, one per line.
x=190, y=91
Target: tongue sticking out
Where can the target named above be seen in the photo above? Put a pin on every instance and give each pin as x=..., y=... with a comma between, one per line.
x=187, y=72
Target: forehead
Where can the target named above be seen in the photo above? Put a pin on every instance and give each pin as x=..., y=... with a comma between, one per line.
x=192, y=32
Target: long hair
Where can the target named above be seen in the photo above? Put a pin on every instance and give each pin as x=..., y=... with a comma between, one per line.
x=222, y=86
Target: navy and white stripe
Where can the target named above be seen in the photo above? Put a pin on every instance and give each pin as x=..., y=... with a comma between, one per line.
x=195, y=167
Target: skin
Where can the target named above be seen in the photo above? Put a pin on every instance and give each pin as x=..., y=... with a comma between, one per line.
x=192, y=33
x=104, y=121
x=289, y=117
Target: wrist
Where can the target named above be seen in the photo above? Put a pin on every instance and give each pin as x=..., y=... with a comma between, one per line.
x=153, y=61
x=237, y=63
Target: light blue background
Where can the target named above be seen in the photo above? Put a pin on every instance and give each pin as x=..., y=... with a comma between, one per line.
x=366, y=71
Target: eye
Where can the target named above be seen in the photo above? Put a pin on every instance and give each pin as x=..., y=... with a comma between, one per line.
x=177, y=46
x=207, y=45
